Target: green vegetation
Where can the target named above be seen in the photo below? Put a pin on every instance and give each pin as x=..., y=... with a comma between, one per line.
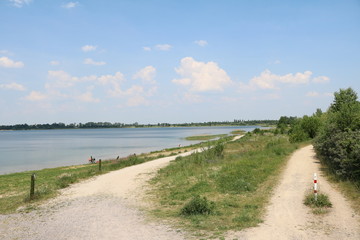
x=336, y=138
x=319, y=206
x=238, y=132
x=338, y=144
x=205, y=137
x=15, y=187
x=229, y=183
x=198, y=205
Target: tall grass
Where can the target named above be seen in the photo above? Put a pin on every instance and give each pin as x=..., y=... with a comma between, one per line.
x=238, y=181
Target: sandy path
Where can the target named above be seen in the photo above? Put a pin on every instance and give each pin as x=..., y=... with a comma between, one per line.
x=287, y=217
x=105, y=207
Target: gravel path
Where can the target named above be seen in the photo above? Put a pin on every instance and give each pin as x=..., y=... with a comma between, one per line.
x=288, y=218
x=105, y=207
x=109, y=207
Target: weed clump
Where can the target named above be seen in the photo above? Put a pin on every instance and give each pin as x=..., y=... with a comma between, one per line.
x=319, y=206
x=198, y=206
x=321, y=202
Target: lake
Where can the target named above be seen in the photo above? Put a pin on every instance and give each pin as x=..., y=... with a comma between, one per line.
x=38, y=149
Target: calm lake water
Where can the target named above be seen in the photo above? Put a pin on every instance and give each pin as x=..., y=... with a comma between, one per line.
x=38, y=149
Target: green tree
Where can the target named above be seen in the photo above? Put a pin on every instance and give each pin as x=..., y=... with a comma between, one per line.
x=338, y=144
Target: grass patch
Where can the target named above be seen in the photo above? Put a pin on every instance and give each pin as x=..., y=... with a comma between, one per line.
x=238, y=132
x=205, y=137
x=319, y=206
x=350, y=189
x=238, y=182
x=198, y=206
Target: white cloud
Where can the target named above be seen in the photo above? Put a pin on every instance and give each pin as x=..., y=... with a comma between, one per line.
x=36, y=96
x=54, y=63
x=321, y=79
x=13, y=86
x=201, y=76
x=268, y=80
x=163, y=47
x=88, y=97
x=88, y=48
x=89, y=61
x=60, y=79
x=70, y=5
x=146, y=74
x=317, y=94
x=8, y=63
x=312, y=94
x=201, y=43
x=148, y=49
x=20, y=3
x=114, y=81
x=62, y=85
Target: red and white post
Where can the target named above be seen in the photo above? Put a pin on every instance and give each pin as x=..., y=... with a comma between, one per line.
x=315, y=186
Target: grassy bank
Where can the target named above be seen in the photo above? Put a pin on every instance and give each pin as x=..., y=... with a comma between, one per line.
x=232, y=188
x=205, y=137
x=15, y=187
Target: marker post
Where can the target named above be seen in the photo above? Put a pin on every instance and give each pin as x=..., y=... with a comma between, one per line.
x=315, y=186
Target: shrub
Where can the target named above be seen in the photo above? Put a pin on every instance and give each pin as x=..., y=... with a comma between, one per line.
x=198, y=206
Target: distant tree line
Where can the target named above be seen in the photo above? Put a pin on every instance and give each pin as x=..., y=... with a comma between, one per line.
x=335, y=134
x=132, y=125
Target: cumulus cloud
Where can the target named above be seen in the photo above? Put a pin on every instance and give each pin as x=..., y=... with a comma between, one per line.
x=70, y=5
x=62, y=85
x=163, y=47
x=20, y=3
x=201, y=76
x=114, y=81
x=8, y=63
x=13, y=86
x=321, y=79
x=268, y=80
x=89, y=61
x=36, y=96
x=317, y=94
x=60, y=79
x=88, y=48
x=201, y=43
x=146, y=74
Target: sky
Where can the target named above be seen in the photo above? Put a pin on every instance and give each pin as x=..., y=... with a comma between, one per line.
x=174, y=61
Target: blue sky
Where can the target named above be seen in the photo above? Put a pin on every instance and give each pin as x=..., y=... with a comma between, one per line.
x=174, y=61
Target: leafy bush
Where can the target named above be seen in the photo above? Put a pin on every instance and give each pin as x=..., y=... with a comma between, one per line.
x=338, y=145
x=198, y=205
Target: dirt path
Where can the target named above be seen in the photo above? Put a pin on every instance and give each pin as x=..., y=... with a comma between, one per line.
x=107, y=207
x=288, y=218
